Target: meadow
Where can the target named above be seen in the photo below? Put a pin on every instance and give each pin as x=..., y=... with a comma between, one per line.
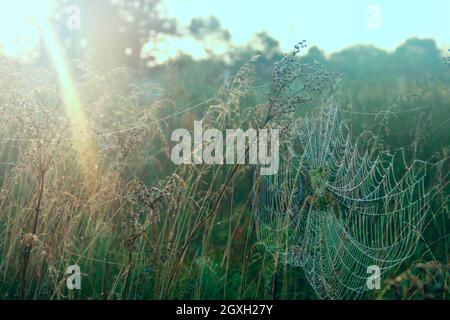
x=86, y=176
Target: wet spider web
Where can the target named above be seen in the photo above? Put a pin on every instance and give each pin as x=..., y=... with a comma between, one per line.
x=337, y=207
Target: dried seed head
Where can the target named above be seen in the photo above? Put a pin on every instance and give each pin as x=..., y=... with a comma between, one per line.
x=28, y=240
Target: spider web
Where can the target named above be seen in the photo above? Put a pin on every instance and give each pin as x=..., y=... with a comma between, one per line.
x=336, y=207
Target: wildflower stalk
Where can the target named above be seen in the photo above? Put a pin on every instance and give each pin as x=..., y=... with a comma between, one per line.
x=29, y=245
x=269, y=117
x=127, y=279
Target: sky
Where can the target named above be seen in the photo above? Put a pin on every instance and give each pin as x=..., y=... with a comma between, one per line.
x=329, y=24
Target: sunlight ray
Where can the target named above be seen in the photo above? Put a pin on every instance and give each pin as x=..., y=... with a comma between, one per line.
x=82, y=136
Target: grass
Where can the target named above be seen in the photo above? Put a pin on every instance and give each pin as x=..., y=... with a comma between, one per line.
x=138, y=227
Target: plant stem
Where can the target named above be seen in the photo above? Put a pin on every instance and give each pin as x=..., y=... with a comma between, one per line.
x=29, y=246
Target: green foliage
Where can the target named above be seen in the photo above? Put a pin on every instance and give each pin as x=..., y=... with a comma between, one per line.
x=140, y=231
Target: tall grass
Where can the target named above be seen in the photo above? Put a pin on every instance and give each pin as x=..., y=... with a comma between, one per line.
x=138, y=227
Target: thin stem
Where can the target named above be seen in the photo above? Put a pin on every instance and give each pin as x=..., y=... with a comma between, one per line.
x=29, y=246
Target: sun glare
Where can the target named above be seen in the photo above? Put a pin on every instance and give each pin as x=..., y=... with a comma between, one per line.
x=19, y=34
x=84, y=144
x=25, y=26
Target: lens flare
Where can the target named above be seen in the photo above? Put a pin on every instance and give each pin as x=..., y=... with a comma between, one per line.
x=82, y=134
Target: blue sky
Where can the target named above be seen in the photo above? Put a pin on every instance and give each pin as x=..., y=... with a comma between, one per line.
x=330, y=24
